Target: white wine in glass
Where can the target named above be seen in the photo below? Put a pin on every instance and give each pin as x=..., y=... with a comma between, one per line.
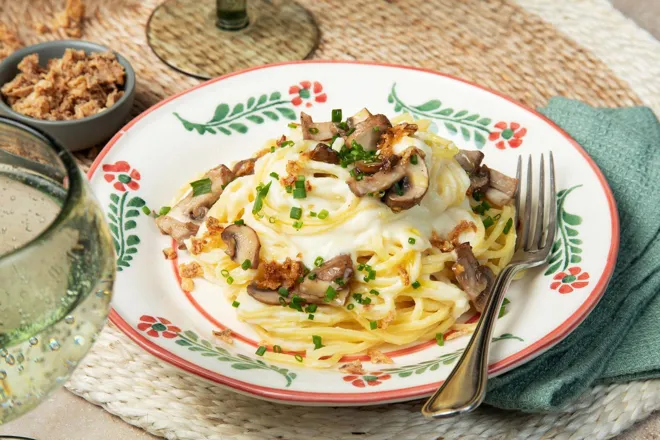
x=56, y=268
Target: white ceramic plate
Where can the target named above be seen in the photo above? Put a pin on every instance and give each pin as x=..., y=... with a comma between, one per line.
x=229, y=118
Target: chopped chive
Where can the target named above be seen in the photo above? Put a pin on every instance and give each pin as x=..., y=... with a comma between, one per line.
x=262, y=192
x=293, y=125
x=288, y=188
x=318, y=262
x=272, y=219
x=295, y=213
x=277, y=349
x=146, y=210
x=330, y=294
x=283, y=291
x=311, y=308
x=488, y=222
x=313, y=130
x=374, y=292
x=373, y=325
x=366, y=279
x=336, y=115
x=323, y=214
x=235, y=304
x=260, y=351
x=372, y=274
x=357, y=297
x=398, y=188
x=310, y=317
x=503, y=309
x=486, y=205
x=297, y=224
x=230, y=280
x=350, y=306
x=312, y=276
x=225, y=273
x=342, y=126
x=411, y=240
x=339, y=281
x=274, y=175
x=413, y=159
x=286, y=144
x=317, y=342
x=497, y=217
x=299, y=193
x=440, y=339
x=360, y=267
x=416, y=285
x=298, y=358
x=312, y=214
x=366, y=300
x=508, y=226
x=246, y=264
x=272, y=149
x=239, y=222
x=478, y=196
x=202, y=186
x=350, y=132
x=164, y=210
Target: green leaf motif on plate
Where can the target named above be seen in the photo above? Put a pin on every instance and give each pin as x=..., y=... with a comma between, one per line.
x=122, y=217
x=193, y=342
x=228, y=120
x=471, y=126
x=567, y=247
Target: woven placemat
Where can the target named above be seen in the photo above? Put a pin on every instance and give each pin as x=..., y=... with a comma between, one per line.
x=530, y=50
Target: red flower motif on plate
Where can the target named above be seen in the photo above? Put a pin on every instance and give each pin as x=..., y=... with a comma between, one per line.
x=511, y=134
x=156, y=327
x=573, y=278
x=306, y=92
x=371, y=379
x=123, y=174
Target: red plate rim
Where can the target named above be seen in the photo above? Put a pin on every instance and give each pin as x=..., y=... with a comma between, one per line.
x=302, y=397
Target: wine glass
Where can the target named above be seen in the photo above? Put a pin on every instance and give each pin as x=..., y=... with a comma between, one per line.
x=56, y=267
x=207, y=38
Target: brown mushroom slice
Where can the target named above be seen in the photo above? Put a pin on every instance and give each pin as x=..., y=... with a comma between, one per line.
x=380, y=181
x=360, y=116
x=320, y=131
x=479, y=180
x=176, y=229
x=369, y=167
x=243, y=168
x=196, y=207
x=323, y=153
x=265, y=296
x=339, y=268
x=367, y=133
x=242, y=244
x=469, y=160
x=414, y=185
x=476, y=280
x=503, y=183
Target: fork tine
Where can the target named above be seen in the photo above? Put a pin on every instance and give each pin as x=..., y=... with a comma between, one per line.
x=527, y=217
x=516, y=217
x=540, y=211
x=552, y=202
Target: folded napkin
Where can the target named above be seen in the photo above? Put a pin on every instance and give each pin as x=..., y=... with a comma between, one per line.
x=620, y=340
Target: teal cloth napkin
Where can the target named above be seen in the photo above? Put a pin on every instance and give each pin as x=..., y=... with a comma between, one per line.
x=620, y=340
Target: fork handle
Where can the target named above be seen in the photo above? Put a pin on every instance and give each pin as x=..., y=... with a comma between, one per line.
x=465, y=388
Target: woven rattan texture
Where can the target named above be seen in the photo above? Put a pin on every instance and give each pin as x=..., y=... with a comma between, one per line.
x=495, y=43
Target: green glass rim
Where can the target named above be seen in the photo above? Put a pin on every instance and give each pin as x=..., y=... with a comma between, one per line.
x=73, y=190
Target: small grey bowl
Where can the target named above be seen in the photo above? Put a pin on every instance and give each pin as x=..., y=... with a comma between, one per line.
x=79, y=133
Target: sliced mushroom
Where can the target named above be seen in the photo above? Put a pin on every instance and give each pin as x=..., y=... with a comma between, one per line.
x=414, y=185
x=503, y=184
x=369, y=167
x=339, y=268
x=323, y=153
x=265, y=296
x=367, y=133
x=196, y=207
x=476, y=280
x=469, y=160
x=242, y=244
x=243, y=168
x=380, y=181
x=479, y=180
x=176, y=229
x=320, y=131
x=360, y=116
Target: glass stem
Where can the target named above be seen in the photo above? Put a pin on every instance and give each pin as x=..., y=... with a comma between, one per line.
x=232, y=14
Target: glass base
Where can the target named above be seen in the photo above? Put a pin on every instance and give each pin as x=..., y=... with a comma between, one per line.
x=183, y=33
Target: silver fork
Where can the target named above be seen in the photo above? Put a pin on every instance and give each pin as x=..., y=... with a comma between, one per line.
x=465, y=388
